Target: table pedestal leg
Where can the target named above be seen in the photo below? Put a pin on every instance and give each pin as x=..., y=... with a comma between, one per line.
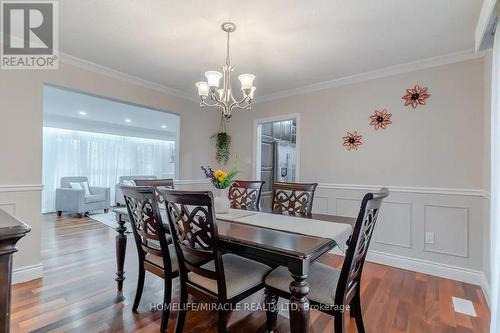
x=271, y=303
x=121, y=247
x=299, y=304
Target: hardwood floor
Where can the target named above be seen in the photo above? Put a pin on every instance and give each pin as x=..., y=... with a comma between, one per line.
x=77, y=293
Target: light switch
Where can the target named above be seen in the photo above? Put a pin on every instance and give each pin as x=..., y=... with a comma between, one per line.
x=429, y=238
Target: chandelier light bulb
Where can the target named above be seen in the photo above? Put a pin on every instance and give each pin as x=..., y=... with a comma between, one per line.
x=251, y=93
x=202, y=88
x=213, y=78
x=246, y=81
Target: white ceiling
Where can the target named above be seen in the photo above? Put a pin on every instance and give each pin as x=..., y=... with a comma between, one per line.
x=62, y=107
x=285, y=43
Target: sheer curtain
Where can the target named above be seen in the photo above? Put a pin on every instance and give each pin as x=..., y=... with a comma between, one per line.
x=102, y=158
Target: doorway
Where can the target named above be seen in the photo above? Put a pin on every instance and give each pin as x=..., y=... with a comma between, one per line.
x=276, y=153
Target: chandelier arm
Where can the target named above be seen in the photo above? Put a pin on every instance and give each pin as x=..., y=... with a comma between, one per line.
x=244, y=103
x=204, y=102
x=216, y=98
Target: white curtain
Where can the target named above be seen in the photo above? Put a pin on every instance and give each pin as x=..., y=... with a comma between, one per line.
x=495, y=189
x=102, y=158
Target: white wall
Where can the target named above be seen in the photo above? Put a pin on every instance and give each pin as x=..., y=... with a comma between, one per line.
x=21, y=101
x=433, y=158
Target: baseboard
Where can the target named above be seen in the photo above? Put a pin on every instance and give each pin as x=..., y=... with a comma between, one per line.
x=428, y=267
x=27, y=273
x=485, y=286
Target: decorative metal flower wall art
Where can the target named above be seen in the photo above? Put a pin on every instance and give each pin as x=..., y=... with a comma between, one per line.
x=380, y=119
x=352, y=140
x=415, y=96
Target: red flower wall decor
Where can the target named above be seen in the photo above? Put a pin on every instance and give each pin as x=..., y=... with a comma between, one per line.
x=352, y=140
x=415, y=96
x=380, y=119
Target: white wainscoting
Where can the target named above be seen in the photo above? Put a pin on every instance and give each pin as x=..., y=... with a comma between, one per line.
x=455, y=217
x=24, y=201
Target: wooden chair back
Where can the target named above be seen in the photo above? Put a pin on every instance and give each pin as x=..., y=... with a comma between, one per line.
x=166, y=183
x=147, y=225
x=293, y=198
x=350, y=275
x=192, y=223
x=245, y=194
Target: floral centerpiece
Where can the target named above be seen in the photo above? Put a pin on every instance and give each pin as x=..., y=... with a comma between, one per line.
x=221, y=180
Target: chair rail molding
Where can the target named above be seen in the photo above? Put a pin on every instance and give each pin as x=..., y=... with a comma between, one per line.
x=21, y=188
x=409, y=189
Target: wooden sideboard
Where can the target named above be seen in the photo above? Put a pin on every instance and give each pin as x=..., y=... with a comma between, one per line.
x=11, y=230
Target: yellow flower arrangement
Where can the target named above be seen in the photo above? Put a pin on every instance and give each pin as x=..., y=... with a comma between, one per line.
x=220, y=175
x=219, y=178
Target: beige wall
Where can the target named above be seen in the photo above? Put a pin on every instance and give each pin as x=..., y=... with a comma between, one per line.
x=434, y=158
x=21, y=100
x=438, y=145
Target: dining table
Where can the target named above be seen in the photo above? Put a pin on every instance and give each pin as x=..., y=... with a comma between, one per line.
x=258, y=236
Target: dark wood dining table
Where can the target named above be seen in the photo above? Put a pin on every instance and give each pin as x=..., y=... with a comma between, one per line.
x=270, y=246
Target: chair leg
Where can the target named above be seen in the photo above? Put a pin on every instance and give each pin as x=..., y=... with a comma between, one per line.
x=358, y=313
x=167, y=298
x=338, y=323
x=140, y=286
x=223, y=319
x=181, y=314
x=271, y=302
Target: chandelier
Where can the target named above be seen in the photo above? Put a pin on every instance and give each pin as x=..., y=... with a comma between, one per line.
x=223, y=98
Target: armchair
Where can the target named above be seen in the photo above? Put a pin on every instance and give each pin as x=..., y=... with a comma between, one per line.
x=119, y=199
x=75, y=201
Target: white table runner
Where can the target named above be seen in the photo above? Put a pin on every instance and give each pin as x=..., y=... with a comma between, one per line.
x=339, y=232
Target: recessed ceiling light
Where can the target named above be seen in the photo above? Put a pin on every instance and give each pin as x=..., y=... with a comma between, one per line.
x=127, y=120
x=163, y=126
x=82, y=113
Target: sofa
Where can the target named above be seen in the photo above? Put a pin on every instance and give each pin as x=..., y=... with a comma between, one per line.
x=75, y=200
x=120, y=201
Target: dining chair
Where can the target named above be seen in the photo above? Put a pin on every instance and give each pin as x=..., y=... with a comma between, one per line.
x=155, y=254
x=245, y=194
x=293, y=198
x=205, y=272
x=332, y=290
x=156, y=183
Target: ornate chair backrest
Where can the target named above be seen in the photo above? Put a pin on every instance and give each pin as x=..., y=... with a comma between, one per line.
x=293, y=198
x=156, y=183
x=193, y=228
x=350, y=275
x=147, y=225
x=244, y=194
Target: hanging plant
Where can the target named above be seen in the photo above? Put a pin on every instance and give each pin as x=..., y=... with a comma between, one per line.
x=223, y=147
x=222, y=143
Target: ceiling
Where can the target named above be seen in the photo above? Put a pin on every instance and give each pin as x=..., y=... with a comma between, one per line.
x=287, y=44
x=73, y=110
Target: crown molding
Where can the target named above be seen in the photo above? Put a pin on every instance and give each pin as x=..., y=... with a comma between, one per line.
x=347, y=80
x=115, y=74
x=376, y=74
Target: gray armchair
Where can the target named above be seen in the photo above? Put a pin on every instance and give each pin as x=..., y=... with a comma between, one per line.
x=75, y=201
x=120, y=201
